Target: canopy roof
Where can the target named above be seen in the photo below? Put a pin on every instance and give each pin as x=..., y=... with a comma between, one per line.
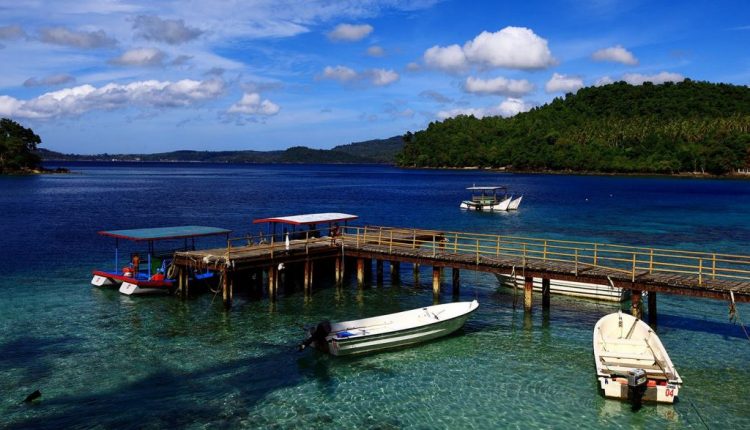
x=307, y=219
x=488, y=188
x=165, y=233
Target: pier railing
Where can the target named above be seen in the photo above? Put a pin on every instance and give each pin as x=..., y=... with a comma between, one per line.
x=631, y=260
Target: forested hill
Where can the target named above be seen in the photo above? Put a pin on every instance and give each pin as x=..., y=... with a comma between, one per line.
x=668, y=128
x=378, y=151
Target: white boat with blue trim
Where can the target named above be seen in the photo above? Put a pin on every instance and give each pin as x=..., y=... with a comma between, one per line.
x=389, y=331
x=490, y=199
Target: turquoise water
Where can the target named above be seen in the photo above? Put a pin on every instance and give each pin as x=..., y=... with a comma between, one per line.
x=105, y=360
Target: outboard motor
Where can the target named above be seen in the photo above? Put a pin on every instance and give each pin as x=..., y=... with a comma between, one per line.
x=637, y=382
x=317, y=335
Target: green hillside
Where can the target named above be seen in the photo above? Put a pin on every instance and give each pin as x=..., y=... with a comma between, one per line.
x=668, y=128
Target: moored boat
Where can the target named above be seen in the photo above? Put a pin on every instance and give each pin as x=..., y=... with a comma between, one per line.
x=389, y=331
x=631, y=362
x=489, y=199
x=585, y=290
x=150, y=274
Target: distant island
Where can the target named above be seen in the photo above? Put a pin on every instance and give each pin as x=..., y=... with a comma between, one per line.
x=378, y=151
x=671, y=128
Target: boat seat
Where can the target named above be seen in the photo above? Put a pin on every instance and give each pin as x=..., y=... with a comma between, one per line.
x=645, y=356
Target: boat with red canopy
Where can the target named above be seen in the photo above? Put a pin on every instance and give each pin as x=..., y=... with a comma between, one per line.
x=150, y=274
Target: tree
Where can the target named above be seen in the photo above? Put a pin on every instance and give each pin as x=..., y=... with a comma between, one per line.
x=17, y=146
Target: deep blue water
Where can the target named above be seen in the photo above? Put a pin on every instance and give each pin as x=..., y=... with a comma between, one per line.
x=102, y=359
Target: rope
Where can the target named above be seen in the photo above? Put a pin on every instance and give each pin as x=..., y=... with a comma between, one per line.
x=734, y=315
x=698, y=413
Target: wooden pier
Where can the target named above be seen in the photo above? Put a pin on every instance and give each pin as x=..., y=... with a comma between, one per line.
x=638, y=269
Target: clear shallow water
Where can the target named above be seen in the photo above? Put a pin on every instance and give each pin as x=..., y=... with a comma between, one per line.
x=105, y=360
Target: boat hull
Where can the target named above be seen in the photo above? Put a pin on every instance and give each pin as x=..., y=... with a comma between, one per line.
x=375, y=334
x=570, y=288
x=623, y=343
x=131, y=286
x=489, y=207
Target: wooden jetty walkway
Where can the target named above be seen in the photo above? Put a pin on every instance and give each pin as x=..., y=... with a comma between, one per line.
x=638, y=269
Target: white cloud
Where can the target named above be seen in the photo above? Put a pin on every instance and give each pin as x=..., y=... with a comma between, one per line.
x=8, y=32
x=375, y=51
x=511, y=47
x=451, y=58
x=85, y=98
x=76, y=39
x=617, y=54
x=499, y=86
x=381, y=77
x=509, y=107
x=140, y=57
x=339, y=73
x=413, y=67
x=563, y=83
x=343, y=74
x=171, y=31
x=659, y=78
x=604, y=80
x=250, y=104
x=350, y=32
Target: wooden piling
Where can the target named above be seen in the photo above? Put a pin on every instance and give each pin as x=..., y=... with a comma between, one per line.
x=528, y=289
x=360, y=272
x=272, y=282
x=545, y=293
x=456, y=281
x=307, y=276
x=395, y=267
x=636, y=308
x=652, y=308
x=180, y=282
x=416, y=274
x=436, y=275
x=379, y=271
x=337, y=270
x=226, y=288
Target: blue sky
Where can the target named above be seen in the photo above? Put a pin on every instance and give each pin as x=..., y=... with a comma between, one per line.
x=132, y=76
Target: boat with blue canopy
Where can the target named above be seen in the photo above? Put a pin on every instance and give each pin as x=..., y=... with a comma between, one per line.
x=149, y=272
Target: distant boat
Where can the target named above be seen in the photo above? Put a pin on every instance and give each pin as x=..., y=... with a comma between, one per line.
x=138, y=275
x=585, y=290
x=389, y=331
x=490, y=199
x=631, y=362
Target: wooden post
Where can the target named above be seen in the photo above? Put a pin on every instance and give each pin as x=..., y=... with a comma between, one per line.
x=306, y=276
x=652, y=308
x=379, y=271
x=528, y=288
x=337, y=270
x=272, y=282
x=545, y=293
x=436, y=272
x=360, y=272
x=226, y=288
x=180, y=283
x=456, y=281
x=635, y=304
x=416, y=274
x=395, y=272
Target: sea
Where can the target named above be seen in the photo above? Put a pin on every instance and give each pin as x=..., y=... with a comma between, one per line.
x=104, y=360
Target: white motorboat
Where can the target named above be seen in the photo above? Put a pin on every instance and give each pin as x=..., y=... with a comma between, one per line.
x=515, y=203
x=570, y=288
x=489, y=199
x=389, y=331
x=631, y=362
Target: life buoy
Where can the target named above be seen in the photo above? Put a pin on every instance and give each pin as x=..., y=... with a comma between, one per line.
x=157, y=277
x=127, y=271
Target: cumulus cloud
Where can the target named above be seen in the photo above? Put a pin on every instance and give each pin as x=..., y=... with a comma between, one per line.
x=450, y=58
x=343, y=74
x=171, y=31
x=659, y=78
x=49, y=80
x=509, y=107
x=85, y=98
x=617, y=54
x=375, y=51
x=350, y=32
x=76, y=39
x=563, y=83
x=251, y=104
x=381, y=77
x=140, y=57
x=339, y=73
x=511, y=48
x=499, y=86
x=8, y=32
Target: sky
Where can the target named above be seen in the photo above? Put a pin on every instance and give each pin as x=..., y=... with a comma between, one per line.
x=145, y=76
